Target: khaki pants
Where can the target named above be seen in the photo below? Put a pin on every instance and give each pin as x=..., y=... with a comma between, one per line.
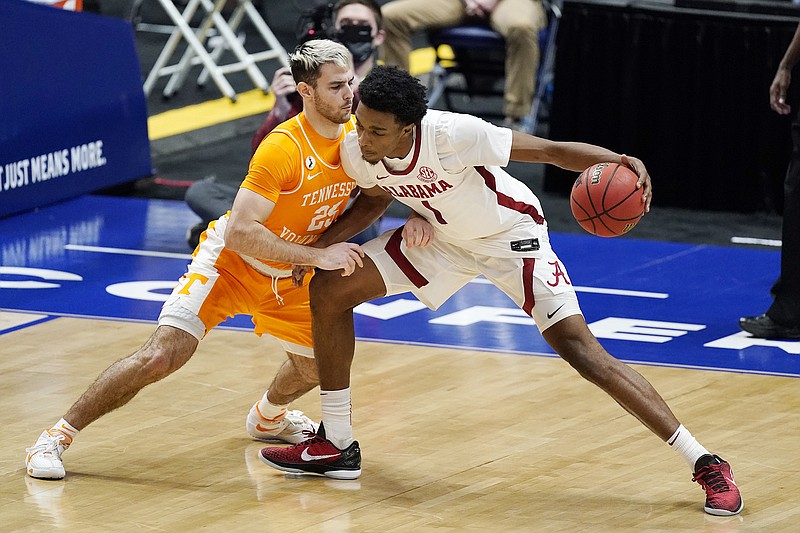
x=518, y=21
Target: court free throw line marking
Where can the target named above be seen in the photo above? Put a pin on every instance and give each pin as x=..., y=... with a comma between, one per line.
x=755, y=240
x=601, y=290
x=125, y=251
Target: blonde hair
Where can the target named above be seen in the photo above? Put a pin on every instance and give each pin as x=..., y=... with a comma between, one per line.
x=307, y=59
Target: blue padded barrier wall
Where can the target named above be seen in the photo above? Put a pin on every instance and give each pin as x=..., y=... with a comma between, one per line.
x=73, y=117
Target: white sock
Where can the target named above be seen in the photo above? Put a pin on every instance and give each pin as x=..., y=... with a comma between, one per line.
x=65, y=428
x=686, y=445
x=271, y=412
x=336, y=417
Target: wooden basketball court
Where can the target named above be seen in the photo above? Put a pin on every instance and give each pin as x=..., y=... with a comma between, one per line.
x=451, y=441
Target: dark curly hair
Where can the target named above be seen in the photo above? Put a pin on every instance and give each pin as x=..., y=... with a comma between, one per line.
x=395, y=91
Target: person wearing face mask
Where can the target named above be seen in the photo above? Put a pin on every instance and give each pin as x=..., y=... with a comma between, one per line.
x=358, y=25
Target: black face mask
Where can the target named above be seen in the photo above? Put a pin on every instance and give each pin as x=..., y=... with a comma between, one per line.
x=358, y=39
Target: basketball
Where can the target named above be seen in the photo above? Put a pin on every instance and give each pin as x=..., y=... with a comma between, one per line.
x=605, y=201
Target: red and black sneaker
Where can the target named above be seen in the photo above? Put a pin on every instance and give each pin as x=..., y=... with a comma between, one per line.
x=317, y=455
x=716, y=477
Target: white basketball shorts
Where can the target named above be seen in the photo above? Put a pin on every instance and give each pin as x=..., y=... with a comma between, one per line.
x=539, y=286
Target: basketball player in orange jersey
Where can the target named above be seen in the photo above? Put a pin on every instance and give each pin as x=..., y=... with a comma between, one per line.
x=447, y=168
x=294, y=189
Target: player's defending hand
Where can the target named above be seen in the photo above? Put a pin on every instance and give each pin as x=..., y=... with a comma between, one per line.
x=342, y=255
x=637, y=166
x=299, y=273
x=417, y=231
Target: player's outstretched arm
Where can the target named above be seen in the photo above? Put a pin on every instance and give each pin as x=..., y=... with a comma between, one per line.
x=575, y=156
x=568, y=155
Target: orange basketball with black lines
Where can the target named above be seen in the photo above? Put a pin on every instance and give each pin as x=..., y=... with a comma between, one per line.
x=605, y=201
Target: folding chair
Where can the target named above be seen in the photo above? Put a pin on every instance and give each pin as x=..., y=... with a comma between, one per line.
x=477, y=53
x=196, y=52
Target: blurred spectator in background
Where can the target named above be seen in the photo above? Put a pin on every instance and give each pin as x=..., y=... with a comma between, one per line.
x=518, y=21
x=782, y=319
x=358, y=25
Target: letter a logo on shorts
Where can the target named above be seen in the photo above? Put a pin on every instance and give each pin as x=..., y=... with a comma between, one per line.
x=558, y=273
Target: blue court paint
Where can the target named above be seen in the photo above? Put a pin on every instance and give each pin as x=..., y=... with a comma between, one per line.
x=685, y=314
x=10, y=321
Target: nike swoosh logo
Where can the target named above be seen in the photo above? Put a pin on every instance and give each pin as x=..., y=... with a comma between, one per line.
x=382, y=177
x=312, y=176
x=259, y=427
x=550, y=315
x=305, y=456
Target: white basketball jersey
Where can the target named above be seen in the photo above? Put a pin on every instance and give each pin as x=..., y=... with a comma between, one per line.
x=452, y=177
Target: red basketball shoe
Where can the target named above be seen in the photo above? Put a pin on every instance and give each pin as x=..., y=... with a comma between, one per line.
x=317, y=455
x=716, y=477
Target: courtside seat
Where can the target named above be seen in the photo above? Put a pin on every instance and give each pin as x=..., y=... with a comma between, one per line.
x=477, y=53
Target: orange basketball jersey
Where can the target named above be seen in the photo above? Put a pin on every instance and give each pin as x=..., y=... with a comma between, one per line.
x=300, y=171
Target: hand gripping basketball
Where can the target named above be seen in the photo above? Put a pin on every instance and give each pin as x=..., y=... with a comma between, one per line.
x=605, y=201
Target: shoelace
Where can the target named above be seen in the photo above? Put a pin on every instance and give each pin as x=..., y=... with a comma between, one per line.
x=712, y=478
x=310, y=438
x=48, y=447
x=296, y=417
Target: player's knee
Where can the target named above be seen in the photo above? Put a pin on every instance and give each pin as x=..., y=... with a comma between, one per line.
x=591, y=361
x=154, y=363
x=325, y=292
x=592, y=370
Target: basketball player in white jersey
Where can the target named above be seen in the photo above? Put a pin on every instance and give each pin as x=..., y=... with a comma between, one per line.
x=447, y=168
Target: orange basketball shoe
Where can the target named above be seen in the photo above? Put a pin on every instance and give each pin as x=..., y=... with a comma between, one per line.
x=716, y=477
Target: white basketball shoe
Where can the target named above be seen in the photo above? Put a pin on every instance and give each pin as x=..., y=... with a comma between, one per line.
x=43, y=459
x=295, y=427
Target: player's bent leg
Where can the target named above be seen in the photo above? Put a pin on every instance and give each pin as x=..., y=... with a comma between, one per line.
x=574, y=342
x=296, y=376
x=333, y=298
x=167, y=350
x=332, y=293
x=164, y=352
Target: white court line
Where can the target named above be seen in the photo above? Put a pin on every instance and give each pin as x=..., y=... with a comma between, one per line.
x=596, y=290
x=623, y=292
x=125, y=251
x=754, y=240
x=600, y=290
